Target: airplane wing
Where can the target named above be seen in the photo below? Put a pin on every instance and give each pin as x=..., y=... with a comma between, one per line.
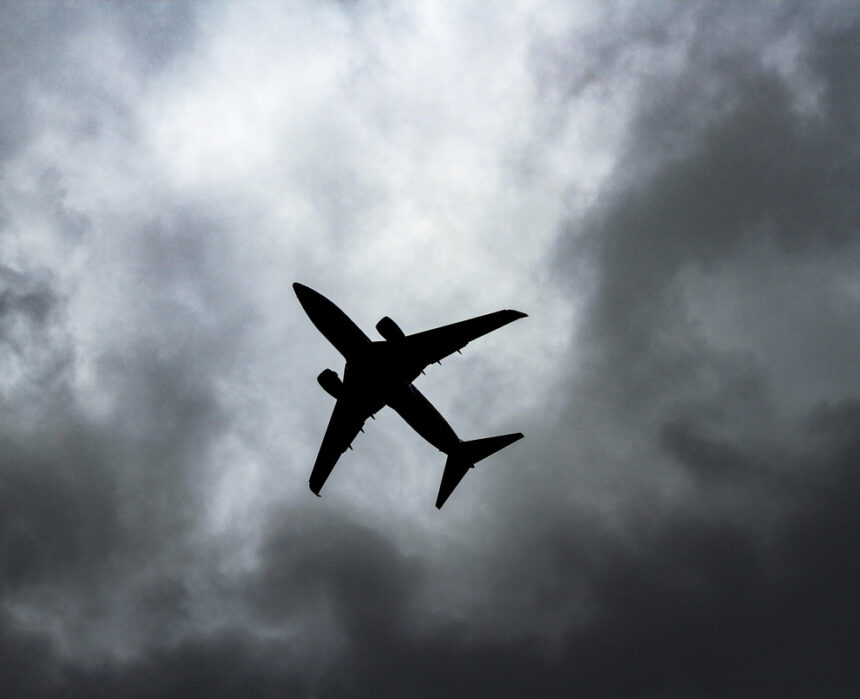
x=434, y=345
x=346, y=421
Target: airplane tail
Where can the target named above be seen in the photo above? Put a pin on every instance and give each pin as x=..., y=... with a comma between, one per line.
x=464, y=456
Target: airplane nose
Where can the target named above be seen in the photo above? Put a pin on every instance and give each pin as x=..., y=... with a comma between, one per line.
x=310, y=300
x=303, y=293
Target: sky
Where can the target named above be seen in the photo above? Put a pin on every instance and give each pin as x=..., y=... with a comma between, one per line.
x=669, y=190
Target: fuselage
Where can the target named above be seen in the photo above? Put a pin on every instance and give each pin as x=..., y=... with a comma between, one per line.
x=376, y=374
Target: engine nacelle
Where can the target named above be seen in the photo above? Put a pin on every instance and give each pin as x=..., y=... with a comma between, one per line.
x=389, y=329
x=330, y=382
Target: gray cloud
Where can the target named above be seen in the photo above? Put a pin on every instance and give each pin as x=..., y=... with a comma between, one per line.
x=679, y=520
x=691, y=597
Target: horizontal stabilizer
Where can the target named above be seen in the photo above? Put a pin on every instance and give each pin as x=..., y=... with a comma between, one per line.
x=479, y=449
x=464, y=456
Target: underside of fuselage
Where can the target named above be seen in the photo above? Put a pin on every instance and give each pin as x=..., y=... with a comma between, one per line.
x=378, y=378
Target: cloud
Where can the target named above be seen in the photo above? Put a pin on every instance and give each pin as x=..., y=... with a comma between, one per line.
x=669, y=192
x=691, y=606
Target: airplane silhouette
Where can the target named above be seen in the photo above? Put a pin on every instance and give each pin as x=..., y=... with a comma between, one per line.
x=381, y=373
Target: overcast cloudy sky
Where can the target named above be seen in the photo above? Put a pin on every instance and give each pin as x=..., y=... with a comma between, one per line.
x=669, y=190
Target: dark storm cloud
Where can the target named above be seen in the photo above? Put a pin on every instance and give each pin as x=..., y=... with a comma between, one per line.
x=87, y=507
x=762, y=172
x=758, y=173
x=91, y=508
x=706, y=607
x=59, y=513
x=25, y=664
x=692, y=608
x=697, y=603
x=336, y=564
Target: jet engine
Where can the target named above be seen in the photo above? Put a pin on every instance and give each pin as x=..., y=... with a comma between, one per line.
x=330, y=382
x=389, y=329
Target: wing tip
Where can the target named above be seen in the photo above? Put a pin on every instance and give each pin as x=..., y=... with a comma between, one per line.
x=442, y=497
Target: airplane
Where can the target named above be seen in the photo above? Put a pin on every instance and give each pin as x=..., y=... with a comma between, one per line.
x=380, y=373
